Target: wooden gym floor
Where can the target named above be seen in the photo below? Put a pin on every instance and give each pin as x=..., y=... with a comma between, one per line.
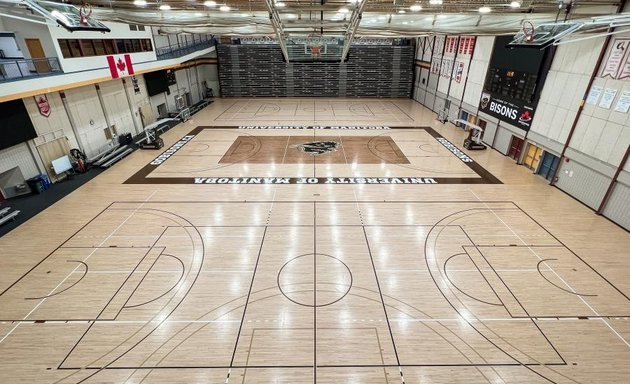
x=232, y=256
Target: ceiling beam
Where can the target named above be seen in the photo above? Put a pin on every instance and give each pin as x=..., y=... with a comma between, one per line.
x=355, y=20
x=274, y=17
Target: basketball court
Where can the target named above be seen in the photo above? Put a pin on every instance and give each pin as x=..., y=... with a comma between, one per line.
x=327, y=241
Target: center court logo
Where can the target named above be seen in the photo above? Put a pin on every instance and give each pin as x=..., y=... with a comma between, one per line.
x=317, y=148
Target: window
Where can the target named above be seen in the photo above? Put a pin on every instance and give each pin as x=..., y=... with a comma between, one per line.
x=136, y=46
x=141, y=28
x=110, y=48
x=99, y=47
x=87, y=47
x=75, y=48
x=128, y=46
x=133, y=27
x=120, y=46
x=65, y=48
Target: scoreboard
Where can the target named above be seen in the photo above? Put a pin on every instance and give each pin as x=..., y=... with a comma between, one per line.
x=513, y=83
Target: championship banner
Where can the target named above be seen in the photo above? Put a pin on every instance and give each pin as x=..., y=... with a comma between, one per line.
x=615, y=58
x=43, y=105
x=507, y=110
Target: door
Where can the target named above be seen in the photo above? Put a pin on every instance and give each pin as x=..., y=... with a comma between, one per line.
x=548, y=165
x=482, y=124
x=464, y=116
x=37, y=54
x=515, y=147
x=532, y=158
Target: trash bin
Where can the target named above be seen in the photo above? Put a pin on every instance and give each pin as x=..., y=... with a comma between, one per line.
x=36, y=184
x=39, y=183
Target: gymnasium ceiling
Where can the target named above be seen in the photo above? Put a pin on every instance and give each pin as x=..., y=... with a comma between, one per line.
x=378, y=17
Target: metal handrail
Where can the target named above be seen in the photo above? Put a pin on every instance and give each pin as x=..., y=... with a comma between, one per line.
x=25, y=68
x=177, y=50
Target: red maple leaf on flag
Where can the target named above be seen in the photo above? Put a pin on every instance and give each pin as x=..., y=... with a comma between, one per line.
x=121, y=65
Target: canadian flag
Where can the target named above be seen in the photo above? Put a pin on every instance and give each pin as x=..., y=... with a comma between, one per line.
x=120, y=66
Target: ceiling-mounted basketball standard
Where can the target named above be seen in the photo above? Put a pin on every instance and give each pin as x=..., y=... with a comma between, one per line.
x=67, y=15
x=543, y=35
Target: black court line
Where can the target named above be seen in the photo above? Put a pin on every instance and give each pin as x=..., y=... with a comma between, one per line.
x=380, y=292
x=251, y=285
x=142, y=175
x=574, y=254
x=314, y=289
x=481, y=365
x=56, y=249
x=110, y=300
x=437, y=285
x=511, y=293
x=159, y=322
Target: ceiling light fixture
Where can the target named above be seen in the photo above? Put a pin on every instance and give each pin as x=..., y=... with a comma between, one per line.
x=165, y=7
x=224, y=8
x=435, y=2
x=280, y=4
x=415, y=7
x=210, y=3
x=344, y=10
x=140, y=3
x=485, y=10
x=515, y=4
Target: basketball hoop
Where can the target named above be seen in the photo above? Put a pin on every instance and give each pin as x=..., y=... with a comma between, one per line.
x=84, y=14
x=528, y=30
x=316, y=50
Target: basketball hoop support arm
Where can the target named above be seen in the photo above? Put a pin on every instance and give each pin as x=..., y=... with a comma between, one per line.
x=355, y=20
x=277, y=28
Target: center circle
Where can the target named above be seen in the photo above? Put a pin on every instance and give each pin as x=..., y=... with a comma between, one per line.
x=314, y=280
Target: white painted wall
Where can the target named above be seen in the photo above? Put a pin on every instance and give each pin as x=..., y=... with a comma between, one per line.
x=18, y=156
x=565, y=85
x=8, y=45
x=117, y=106
x=457, y=88
x=478, y=69
x=26, y=30
x=118, y=31
x=138, y=100
x=84, y=106
x=601, y=133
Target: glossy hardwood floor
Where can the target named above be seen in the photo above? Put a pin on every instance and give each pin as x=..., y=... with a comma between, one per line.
x=485, y=275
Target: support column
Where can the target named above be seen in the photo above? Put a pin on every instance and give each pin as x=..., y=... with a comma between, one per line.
x=611, y=187
x=133, y=118
x=102, y=103
x=73, y=124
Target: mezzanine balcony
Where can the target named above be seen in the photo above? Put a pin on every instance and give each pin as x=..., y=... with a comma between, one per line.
x=17, y=69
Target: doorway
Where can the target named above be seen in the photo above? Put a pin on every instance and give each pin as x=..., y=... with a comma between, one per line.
x=532, y=158
x=515, y=147
x=37, y=54
x=548, y=165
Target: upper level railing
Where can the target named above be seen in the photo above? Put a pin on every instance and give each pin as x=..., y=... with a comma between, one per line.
x=14, y=69
x=178, y=50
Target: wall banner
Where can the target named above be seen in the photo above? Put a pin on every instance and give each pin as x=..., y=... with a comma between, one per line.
x=508, y=110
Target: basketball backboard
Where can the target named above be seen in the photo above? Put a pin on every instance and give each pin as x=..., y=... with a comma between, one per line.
x=314, y=48
x=543, y=35
x=67, y=15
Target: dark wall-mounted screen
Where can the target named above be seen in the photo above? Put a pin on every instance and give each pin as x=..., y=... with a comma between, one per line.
x=15, y=124
x=515, y=59
x=157, y=82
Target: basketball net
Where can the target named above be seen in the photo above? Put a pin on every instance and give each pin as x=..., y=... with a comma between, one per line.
x=316, y=50
x=528, y=30
x=84, y=14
